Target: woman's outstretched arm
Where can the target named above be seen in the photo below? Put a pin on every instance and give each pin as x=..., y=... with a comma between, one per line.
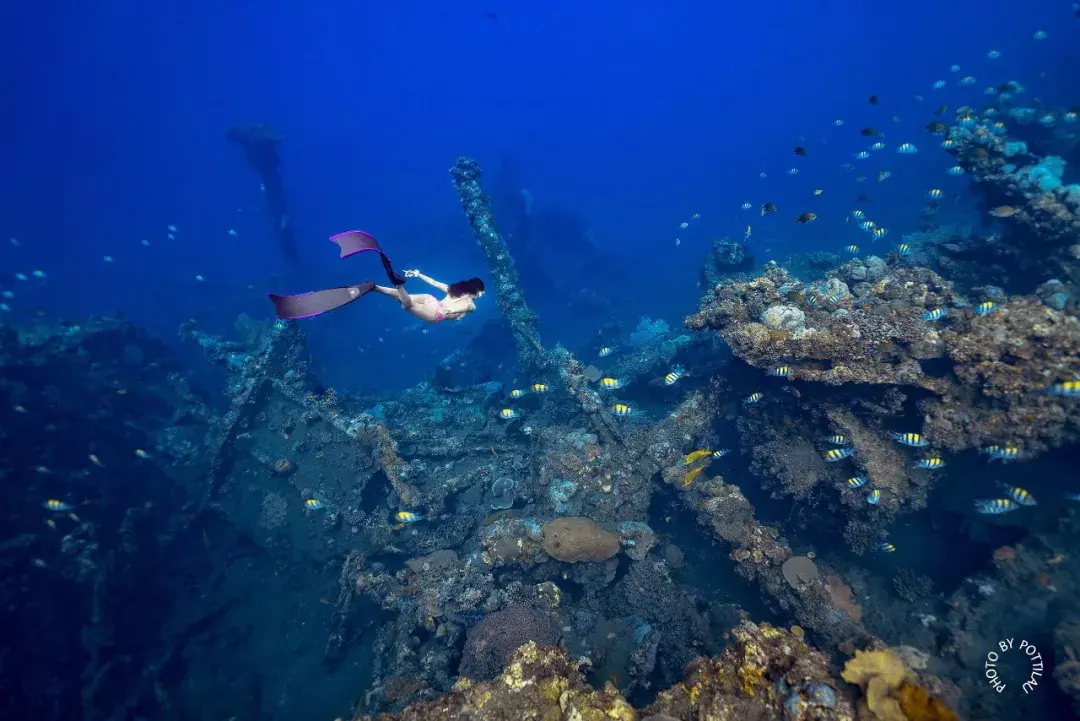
x=430, y=281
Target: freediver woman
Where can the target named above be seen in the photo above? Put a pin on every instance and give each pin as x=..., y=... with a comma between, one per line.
x=457, y=303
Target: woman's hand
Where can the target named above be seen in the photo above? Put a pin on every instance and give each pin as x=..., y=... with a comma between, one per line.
x=411, y=274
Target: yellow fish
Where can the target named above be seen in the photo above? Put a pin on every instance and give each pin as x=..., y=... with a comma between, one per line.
x=693, y=473
x=696, y=455
x=408, y=516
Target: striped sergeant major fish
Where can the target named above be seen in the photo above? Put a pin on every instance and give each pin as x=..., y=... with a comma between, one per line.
x=673, y=377
x=1003, y=453
x=994, y=507
x=910, y=439
x=1019, y=496
x=838, y=454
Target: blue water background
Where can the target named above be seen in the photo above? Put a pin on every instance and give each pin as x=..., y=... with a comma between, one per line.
x=634, y=115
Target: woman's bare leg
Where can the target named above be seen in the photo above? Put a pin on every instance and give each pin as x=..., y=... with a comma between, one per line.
x=398, y=292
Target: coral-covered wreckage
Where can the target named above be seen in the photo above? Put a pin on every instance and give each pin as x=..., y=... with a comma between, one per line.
x=442, y=562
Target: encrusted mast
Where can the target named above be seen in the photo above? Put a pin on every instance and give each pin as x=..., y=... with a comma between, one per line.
x=508, y=295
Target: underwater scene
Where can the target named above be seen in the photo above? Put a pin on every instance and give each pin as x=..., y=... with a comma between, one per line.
x=564, y=360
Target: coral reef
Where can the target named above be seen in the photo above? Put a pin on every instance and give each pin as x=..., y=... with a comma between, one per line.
x=874, y=334
x=491, y=642
x=891, y=691
x=766, y=673
x=445, y=550
x=1009, y=358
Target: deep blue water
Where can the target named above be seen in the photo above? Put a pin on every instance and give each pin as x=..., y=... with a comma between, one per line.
x=632, y=117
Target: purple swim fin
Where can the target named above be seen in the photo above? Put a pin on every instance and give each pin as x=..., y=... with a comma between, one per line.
x=306, y=305
x=352, y=242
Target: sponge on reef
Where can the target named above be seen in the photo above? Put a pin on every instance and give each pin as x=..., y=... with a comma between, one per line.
x=576, y=539
x=891, y=693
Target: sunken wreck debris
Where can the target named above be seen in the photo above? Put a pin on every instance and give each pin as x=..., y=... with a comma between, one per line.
x=106, y=386
x=767, y=673
x=509, y=296
x=790, y=583
x=260, y=145
x=456, y=548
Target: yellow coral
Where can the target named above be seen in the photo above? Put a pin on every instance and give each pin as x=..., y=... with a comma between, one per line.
x=890, y=693
x=621, y=710
x=481, y=699
x=515, y=679
x=750, y=676
x=553, y=690
x=867, y=665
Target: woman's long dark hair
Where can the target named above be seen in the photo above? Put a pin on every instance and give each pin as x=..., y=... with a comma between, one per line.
x=472, y=286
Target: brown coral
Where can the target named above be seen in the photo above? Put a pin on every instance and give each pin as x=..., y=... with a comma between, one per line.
x=841, y=596
x=576, y=539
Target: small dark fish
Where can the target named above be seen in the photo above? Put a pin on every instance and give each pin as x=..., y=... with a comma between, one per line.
x=868, y=132
x=806, y=218
x=873, y=100
x=942, y=110
x=864, y=198
x=800, y=151
x=768, y=208
x=936, y=126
